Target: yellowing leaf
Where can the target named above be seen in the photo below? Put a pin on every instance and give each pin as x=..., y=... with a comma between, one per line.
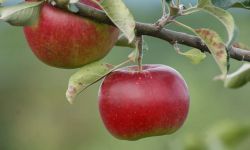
x=120, y=15
x=26, y=13
x=222, y=15
x=216, y=47
x=86, y=76
x=195, y=55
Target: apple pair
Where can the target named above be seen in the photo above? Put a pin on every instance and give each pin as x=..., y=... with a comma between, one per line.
x=133, y=104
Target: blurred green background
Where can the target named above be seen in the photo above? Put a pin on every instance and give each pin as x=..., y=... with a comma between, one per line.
x=34, y=113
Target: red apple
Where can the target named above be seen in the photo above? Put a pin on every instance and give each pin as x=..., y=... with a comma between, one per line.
x=65, y=40
x=152, y=102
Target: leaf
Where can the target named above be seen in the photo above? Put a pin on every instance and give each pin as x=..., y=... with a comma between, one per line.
x=245, y=5
x=23, y=14
x=225, y=4
x=86, y=76
x=61, y=3
x=123, y=41
x=195, y=55
x=222, y=15
x=120, y=15
x=238, y=78
x=216, y=47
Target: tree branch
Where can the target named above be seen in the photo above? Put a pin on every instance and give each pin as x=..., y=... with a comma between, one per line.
x=164, y=34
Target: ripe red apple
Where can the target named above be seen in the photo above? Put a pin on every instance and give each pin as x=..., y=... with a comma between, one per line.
x=65, y=40
x=152, y=102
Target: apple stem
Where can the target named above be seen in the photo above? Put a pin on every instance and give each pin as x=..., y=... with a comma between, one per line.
x=139, y=41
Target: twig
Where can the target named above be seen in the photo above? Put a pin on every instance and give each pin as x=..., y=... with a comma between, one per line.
x=163, y=3
x=164, y=34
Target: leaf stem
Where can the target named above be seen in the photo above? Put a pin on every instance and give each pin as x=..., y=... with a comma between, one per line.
x=184, y=26
x=121, y=64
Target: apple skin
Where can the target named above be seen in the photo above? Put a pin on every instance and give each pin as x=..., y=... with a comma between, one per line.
x=65, y=40
x=134, y=105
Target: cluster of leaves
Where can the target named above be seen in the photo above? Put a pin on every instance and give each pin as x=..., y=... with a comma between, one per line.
x=27, y=13
x=214, y=42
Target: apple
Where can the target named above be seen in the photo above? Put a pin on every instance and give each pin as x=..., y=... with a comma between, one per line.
x=65, y=40
x=152, y=102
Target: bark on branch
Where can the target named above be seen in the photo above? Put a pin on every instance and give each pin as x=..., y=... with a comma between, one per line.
x=164, y=34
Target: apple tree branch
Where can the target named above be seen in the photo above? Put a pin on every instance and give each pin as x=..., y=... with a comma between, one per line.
x=164, y=34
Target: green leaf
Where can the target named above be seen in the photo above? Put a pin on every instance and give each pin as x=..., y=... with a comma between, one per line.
x=62, y=3
x=225, y=4
x=120, y=15
x=238, y=78
x=222, y=15
x=245, y=5
x=216, y=47
x=203, y=3
x=195, y=55
x=23, y=14
x=123, y=41
x=86, y=76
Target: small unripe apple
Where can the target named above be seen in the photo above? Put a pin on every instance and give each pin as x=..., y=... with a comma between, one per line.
x=152, y=102
x=65, y=40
